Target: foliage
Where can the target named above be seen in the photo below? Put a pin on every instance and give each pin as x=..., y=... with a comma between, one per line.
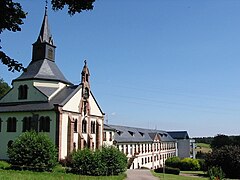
x=188, y=164
x=59, y=169
x=33, y=151
x=202, y=164
x=205, y=140
x=215, y=173
x=29, y=175
x=4, y=88
x=12, y=15
x=73, y=6
x=168, y=170
x=4, y=165
x=108, y=161
x=174, y=162
x=226, y=157
x=220, y=140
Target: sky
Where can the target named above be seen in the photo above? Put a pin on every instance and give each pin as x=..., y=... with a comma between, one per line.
x=159, y=64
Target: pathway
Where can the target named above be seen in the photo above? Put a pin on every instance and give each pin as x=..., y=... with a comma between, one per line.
x=140, y=174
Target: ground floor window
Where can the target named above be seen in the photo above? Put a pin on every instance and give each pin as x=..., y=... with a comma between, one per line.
x=44, y=125
x=11, y=124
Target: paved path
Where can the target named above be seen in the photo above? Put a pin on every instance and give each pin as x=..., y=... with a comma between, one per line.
x=140, y=174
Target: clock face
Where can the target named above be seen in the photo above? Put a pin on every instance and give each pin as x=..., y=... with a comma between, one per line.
x=86, y=93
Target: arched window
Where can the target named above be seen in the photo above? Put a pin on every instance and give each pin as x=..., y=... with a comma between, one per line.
x=11, y=124
x=44, y=125
x=22, y=92
x=75, y=125
x=84, y=126
x=93, y=127
x=27, y=124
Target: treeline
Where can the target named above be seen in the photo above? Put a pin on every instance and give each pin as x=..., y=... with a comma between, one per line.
x=219, y=140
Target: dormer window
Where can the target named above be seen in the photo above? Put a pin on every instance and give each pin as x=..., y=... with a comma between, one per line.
x=22, y=91
x=132, y=133
x=142, y=134
x=119, y=133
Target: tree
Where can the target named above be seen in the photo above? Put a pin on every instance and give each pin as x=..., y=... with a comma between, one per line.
x=12, y=16
x=34, y=151
x=226, y=157
x=220, y=140
x=4, y=88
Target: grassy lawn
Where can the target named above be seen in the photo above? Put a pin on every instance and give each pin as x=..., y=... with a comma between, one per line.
x=28, y=175
x=177, y=177
x=203, y=147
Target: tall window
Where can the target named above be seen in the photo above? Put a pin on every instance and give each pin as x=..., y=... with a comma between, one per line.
x=27, y=124
x=104, y=136
x=44, y=125
x=22, y=91
x=75, y=125
x=11, y=124
x=84, y=126
x=110, y=136
x=93, y=127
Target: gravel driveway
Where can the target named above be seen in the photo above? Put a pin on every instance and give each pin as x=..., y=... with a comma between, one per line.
x=140, y=174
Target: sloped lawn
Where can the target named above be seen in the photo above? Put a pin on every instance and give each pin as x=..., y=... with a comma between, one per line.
x=29, y=175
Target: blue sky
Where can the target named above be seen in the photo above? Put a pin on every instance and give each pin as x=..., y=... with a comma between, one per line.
x=165, y=64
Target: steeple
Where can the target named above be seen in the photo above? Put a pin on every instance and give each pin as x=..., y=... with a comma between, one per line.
x=44, y=48
x=85, y=74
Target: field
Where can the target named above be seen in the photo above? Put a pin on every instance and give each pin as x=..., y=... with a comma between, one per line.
x=28, y=175
x=185, y=176
x=203, y=147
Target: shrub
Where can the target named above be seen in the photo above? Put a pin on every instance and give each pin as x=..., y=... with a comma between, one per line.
x=168, y=170
x=4, y=165
x=188, y=164
x=59, y=168
x=174, y=162
x=215, y=173
x=114, y=161
x=108, y=161
x=33, y=151
x=83, y=161
x=228, y=158
x=202, y=164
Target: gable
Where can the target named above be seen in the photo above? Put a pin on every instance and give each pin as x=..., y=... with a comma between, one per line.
x=33, y=94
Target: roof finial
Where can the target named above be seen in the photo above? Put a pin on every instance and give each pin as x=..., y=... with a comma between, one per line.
x=85, y=62
x=46, y=6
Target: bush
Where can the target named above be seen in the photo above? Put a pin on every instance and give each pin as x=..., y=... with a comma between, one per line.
x=4, y=165
x=228, y=158
x=168, y=170
x=202, y=164
x=59, y=169
x=33, y=151
x=108, y=161
x=188, y=164
x=174, y=162
x=215, y=173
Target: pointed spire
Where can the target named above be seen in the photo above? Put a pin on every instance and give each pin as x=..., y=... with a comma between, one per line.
x=85, y=73
x=45, y=34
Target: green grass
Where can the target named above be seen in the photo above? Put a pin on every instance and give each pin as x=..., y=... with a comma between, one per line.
x=28, y=175
x=176, y=177
x=203, y=147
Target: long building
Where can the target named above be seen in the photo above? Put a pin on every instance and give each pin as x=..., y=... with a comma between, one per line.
x=147, y=148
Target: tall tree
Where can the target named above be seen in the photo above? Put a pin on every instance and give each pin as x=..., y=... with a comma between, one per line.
x=12, y=16
x=220, y=140
x=4, y=88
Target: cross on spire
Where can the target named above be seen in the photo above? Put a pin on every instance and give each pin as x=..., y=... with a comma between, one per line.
x=46, y=6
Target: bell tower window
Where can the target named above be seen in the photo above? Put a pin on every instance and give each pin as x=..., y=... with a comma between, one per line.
x=22, y=92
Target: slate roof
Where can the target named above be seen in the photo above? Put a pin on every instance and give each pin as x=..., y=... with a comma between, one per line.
x=60, y=98
x=43, y=70
x=179, y=134
x=47, y=91
x=106, y=127
x=133, y=134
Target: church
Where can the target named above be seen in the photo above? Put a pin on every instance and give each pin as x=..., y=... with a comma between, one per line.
x=42, y=99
